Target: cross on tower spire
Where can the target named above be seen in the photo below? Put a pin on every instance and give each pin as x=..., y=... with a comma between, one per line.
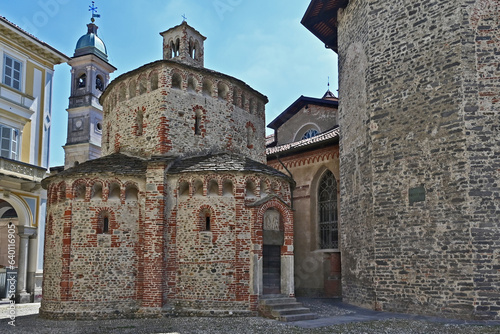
x=93, y=9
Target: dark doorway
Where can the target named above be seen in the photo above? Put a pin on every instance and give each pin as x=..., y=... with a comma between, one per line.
x=271, y=269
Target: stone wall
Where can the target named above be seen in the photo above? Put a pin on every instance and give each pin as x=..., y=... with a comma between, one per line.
x=214, y=268
x=88, y=271
x=419, y=118
x=315, y=276
x=314, y=117
x=153, y=110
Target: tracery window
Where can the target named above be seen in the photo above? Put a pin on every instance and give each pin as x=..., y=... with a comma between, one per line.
x=328, y=215
x=310, y=133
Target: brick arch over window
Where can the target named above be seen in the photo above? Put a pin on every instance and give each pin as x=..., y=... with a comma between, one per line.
x=97, y=190
x=199, y=121
x=184, y=188
x=154, y=80
x=250, y=129
x=213, y=186
x=79, y=190
x=61, y=191
x=105, y=221
x=131, y=191
x=206, y=218
x=176, y=80
x=286, y=214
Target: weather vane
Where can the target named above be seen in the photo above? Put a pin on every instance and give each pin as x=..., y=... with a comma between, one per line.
x=184, y=18
x=93, y=9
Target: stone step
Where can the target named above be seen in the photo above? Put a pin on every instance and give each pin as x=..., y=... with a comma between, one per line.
x=273, y=301
x=290, y=311
x=292, y=305
x=284, y=308
x=298, y=317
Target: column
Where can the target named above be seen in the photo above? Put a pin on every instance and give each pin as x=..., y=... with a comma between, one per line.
x=24, y=232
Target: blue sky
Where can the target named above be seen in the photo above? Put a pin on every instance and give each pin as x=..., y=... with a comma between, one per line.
x=258, y=41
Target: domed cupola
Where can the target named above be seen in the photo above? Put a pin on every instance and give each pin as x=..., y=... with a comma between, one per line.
x=90, y=43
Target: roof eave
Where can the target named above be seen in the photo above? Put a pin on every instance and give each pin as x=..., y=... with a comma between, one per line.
x=295, y=108
x=320, y=19
x=58, y=56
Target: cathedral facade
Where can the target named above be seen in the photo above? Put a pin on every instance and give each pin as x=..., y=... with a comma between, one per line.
x=180, y=215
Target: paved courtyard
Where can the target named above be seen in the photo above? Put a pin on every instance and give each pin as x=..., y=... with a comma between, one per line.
x=333, y=317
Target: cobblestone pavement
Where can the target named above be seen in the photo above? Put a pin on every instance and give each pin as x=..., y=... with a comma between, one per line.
x=334, y=317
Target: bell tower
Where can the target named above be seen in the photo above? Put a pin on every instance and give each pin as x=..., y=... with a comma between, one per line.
x=90, y=72
x=184, y=44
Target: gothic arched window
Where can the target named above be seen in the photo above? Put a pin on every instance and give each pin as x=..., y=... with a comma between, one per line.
x=328, y=215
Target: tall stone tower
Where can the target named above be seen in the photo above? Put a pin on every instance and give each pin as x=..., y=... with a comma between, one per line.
x=90, y=71
x=420, y=162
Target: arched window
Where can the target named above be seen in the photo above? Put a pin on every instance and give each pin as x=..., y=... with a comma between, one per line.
x=143, y=85
x=154, y=81
x=250, y=189
x=307, y=131
x=310, y=133
x=82, y=81
x=249, y=137
x=131, y=193
x=80, y=192
x=176, y=81
x=103, y=222
x=198, y=188
x=227, y=188
x=207, y=88
x=114, y=192
x=222, y=90
x=131, y=88
x=197, y=122
x=96, y=191
x=139, y=122
x=192, y=84
x=99, y=83
x=328, y=215
x=213, y=188
x=206, y=220
x=184, y=188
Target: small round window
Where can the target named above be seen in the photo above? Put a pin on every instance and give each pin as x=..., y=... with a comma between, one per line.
x=310, y=133
x=98, y=126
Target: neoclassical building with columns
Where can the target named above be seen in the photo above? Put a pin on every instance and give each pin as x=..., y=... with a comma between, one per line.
x=26, y=78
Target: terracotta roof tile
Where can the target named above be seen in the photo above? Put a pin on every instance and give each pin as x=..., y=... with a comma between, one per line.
x=330, y=134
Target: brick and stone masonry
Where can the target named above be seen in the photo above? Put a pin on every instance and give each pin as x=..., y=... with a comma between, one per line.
x=170, y=219
x=420, y=163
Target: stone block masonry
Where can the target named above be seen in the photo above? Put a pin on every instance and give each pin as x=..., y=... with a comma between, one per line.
x=419, y=82
x=169, y=220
